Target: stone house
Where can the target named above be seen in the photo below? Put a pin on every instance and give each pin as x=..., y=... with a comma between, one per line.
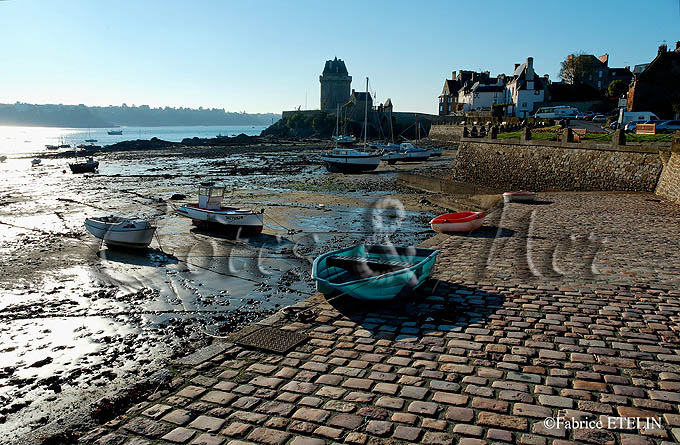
x=481, y=96
x=449, y=100
x=524, y=90
x=657, y=87
x=595, y=71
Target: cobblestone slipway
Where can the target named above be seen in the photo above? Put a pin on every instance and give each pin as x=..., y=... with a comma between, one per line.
x=571, y=310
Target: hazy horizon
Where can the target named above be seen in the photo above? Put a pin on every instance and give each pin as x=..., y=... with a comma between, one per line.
x=266, y=57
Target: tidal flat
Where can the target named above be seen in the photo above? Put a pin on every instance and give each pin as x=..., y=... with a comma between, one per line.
x=84, y=327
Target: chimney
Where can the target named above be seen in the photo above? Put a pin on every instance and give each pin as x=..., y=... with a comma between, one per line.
x=516, y=66
x=530, y=68
x=453, y=75
x=628, y=68
x=662, y=49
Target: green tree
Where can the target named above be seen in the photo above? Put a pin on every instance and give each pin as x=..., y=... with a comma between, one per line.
x=576, y=68
x=616, y=88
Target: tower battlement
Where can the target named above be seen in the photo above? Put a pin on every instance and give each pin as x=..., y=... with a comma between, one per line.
x=335, y=85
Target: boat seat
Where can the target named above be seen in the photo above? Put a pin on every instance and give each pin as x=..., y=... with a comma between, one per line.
x=357, y=263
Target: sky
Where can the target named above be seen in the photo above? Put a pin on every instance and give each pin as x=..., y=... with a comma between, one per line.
x=266, y=56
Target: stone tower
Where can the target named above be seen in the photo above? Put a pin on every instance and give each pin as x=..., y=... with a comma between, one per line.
x=335, y=85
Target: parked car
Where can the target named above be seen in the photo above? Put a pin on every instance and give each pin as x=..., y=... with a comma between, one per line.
x=599, y=118
x=631, y=126
x=667, y=126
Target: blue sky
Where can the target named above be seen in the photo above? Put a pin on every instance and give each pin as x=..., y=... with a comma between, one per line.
x=266, y=56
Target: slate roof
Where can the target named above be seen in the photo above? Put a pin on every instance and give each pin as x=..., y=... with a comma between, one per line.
x=483, y=88
x=335, y=66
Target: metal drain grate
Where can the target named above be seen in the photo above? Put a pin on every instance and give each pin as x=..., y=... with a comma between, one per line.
x=271, y=339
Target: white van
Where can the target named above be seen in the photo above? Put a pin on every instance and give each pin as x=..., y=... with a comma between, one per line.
x=636, y=116
x=559, y=112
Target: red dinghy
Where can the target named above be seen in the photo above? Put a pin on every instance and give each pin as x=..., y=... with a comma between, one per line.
x=458, y=222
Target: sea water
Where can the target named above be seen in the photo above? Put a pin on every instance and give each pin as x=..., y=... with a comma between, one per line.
x=24, y=140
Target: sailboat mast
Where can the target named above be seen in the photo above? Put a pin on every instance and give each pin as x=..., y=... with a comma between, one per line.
x=391, y=128
x=337, y=125
x=366, y=114
x=417, y=129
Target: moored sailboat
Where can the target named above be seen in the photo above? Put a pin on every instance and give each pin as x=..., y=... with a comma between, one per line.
x=348, y=160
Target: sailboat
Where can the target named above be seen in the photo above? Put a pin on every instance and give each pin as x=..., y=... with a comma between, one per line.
x=337, y=137
x=349, y=160
x=89, y=166
x=409, y=152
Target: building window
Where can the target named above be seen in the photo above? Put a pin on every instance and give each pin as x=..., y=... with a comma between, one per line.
x=600, y=73
x=599, y=84
x=441, y=108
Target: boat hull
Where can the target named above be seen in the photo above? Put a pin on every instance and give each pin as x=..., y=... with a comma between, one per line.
x=221, y=219
x=138, y=238
x=351, y=165
x=417, y=157
x=331, y=279
x=87, y=167
x=457, y=222
x=519, y=196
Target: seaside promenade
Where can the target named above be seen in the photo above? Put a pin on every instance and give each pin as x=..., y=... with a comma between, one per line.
x=571, y=311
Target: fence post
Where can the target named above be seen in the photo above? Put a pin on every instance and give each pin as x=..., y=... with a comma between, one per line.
x=619, y=138
x=526, y=134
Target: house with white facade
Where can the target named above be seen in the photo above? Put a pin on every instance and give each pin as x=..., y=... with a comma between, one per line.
x=481, y=96
x=524, y=90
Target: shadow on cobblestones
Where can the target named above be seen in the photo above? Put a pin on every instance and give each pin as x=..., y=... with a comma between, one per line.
x=437, y=307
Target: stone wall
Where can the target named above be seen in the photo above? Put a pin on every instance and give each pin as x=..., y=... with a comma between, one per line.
x=669, y=182
x=544, y=166
x=446, y=134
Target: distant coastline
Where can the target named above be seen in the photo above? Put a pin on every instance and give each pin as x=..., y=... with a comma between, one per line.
x=81, y=116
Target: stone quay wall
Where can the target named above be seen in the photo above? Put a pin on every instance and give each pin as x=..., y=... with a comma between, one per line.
x=669, y=182
x=548, y=166
x=446, y=134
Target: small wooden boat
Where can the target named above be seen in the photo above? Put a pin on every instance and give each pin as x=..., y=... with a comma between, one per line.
x=123, y=232
x=521, y=196
x=373, y=272
x=458, y=222
x=210, y=214
x=35, y=161
x=84, y=167
x=52, y=147
x=3, y=158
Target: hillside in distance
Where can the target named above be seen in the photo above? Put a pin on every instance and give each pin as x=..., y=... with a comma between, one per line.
x=81, y=116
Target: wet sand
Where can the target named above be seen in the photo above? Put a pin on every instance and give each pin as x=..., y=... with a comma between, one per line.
x=82, y=324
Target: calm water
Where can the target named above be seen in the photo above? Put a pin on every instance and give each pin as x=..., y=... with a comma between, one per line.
x=22, y=140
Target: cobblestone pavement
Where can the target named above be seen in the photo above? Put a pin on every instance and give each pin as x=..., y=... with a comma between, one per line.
x=570, y=311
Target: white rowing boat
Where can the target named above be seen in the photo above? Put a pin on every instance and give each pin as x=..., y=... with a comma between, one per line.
x=121, y=231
